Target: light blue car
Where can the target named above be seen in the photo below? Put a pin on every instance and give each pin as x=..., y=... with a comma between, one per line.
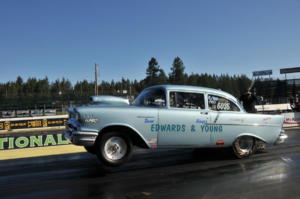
x=170, y=116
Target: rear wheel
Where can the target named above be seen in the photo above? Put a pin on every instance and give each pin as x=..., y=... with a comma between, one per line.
x=259, y=147
x=114, y=148
x=243, y=146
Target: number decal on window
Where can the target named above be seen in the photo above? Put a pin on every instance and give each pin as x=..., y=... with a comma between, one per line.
x=218, y=103
x=223, y=106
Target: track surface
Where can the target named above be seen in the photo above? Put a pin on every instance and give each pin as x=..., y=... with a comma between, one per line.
x=158, y=174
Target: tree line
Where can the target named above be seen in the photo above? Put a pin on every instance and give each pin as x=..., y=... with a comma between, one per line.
x=40, y=92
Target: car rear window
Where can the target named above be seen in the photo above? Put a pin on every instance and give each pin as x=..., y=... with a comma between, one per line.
x=218, y=103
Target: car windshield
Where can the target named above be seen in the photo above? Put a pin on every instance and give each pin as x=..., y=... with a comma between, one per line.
x=151, y=98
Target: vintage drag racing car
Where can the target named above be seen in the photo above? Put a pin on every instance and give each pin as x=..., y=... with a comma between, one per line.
x=170, y=116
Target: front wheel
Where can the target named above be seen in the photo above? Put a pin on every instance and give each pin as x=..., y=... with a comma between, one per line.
x=114, y=148
x=243, y=146
x=90, y=149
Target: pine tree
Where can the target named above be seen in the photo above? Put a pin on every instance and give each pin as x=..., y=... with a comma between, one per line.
x=153, y=71
x=162, y=78
x=177, y=72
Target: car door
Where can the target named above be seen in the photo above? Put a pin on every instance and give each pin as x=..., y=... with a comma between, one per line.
x=182, y=123
x=144, y=115
x=227, y=117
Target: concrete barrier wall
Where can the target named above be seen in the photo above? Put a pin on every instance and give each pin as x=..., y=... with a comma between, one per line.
x=291, y=119
x=17, y=141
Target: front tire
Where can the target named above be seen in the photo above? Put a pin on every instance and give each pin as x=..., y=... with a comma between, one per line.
x=243, y=146
x=90, y=149
x=114, y=148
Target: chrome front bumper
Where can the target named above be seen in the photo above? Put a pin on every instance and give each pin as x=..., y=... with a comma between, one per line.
x=281, y=138
x=77, y=137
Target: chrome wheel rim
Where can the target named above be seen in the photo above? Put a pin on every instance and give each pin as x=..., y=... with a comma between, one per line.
x=115, y=148
x=244, y=145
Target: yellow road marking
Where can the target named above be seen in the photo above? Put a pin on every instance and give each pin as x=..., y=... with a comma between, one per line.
x=40, y=151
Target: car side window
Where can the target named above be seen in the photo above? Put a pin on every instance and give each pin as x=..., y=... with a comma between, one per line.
x=187, y=100
x=151, y=98
x=218, y=103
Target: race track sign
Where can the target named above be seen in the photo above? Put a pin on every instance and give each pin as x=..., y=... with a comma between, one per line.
x=39, y=122
x=290, y=70
x=262, y=73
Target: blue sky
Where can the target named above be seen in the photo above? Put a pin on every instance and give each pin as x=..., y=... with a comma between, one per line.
x=64, y=38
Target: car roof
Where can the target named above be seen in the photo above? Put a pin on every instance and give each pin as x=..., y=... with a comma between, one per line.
x=193, y=89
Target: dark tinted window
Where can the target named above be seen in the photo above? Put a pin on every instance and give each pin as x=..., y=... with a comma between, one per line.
x=187, y=100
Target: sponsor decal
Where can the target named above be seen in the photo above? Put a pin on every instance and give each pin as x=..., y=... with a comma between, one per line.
x=37, y=123
x=18, y=142
x=7, y=125
x=167, y=128
x=267, y=119
x=212, y=128
x=198, y=121
x=91, y=120
x=204, y=128
x=147, y=121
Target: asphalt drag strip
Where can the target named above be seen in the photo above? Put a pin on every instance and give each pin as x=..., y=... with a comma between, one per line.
x=156, y=173
x=180, y=173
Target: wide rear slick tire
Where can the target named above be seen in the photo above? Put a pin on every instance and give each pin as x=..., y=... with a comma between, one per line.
x=114, y=148
x=243, y=146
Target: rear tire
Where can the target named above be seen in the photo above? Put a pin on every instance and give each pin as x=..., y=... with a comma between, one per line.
x=114, y=148
x=259, y=147
x=243, y=146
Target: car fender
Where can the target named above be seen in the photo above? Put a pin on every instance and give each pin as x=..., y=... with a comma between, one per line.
x=251, y=135
x=127, y=126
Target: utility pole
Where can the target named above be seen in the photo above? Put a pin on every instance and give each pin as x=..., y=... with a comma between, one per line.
x=96, y=78
x=6, y=91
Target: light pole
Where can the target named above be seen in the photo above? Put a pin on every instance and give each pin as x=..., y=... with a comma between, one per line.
x=96, y=78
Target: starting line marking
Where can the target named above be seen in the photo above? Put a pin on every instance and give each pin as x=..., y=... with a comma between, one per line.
x=40, y=151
